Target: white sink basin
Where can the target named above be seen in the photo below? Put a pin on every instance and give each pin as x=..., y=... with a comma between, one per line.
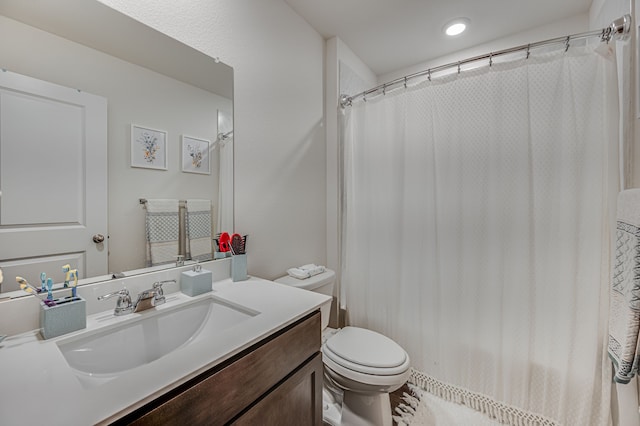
x=146, y=337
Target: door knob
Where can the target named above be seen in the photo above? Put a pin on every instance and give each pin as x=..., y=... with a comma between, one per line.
x=98, y=238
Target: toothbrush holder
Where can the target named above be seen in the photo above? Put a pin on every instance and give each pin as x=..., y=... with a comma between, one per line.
x=67, y=315
x=239, y=267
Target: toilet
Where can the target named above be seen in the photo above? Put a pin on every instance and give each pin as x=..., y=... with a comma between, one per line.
x=361, y=367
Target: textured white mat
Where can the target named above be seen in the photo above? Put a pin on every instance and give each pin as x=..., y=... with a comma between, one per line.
x=425, y=409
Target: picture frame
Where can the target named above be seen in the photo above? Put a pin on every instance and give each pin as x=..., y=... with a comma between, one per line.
x=148, y=148
x=195, y=155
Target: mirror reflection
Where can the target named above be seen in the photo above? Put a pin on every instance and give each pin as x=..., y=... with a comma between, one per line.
x=107, y=165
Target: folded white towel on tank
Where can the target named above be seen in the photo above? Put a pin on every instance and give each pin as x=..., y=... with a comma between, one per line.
x=306, y=271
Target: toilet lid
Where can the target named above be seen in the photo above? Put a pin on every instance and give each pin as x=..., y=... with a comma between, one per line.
x=365, y=348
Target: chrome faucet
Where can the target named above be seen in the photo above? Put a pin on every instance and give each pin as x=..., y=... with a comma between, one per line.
x=147, y=299
x=123, y=305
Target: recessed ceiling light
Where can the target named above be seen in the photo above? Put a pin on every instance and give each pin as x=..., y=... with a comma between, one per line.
x=456, y=27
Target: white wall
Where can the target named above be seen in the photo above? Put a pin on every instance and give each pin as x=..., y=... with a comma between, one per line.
x=344, y=71
x=340, y=62
x=278, y=114
x=602, y=12
x=134, y=95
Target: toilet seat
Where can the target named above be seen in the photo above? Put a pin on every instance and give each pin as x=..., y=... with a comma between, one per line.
x=365, y=352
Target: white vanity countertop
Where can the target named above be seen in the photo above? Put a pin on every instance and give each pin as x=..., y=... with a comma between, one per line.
x=39, y=387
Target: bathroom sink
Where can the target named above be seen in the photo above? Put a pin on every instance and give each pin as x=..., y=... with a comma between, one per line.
x=147, y=337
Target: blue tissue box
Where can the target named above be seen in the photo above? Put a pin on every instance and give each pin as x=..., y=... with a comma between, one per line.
x=239, y=267
x=66, y=316
x=193, y=283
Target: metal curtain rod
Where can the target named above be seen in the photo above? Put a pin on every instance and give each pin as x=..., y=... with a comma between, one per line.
x=225, y=136
x=618, y=30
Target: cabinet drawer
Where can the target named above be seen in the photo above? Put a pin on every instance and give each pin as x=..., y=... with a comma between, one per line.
x=219, y=395
x=295, y=402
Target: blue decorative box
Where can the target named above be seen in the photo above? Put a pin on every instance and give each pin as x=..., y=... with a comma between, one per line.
x=67, y=315
x=195, y=282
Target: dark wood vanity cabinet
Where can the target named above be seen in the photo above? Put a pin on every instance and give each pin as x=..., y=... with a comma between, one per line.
x=277, y=381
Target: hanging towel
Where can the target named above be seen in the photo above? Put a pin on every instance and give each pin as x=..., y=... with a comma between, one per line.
x=624, y=321
x=198, y=221
x=162, y=223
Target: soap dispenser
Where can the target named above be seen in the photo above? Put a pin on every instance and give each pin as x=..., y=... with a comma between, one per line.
x=196, y=281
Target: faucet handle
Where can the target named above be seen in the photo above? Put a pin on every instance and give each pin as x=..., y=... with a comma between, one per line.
x=121, y=292
x=123, y=305
x=159, y=293
x=158, y=284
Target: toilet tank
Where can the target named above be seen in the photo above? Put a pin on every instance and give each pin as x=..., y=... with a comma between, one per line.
x=322, y=283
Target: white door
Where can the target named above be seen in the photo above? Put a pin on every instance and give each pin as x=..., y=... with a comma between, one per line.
x=53, y=180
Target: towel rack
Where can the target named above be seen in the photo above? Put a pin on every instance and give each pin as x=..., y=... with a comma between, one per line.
x=144, y=201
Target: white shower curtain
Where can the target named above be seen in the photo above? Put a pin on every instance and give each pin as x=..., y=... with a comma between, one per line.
x=476, y=232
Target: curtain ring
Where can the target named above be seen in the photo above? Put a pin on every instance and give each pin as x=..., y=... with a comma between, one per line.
x=405, y=82
x=384, y=89
x=458, y=67
x=490, y=59
x=566, y=43
x=429, y=74
x=528, y=50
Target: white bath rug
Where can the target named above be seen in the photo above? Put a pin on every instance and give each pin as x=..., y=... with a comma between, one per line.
x=424, y=409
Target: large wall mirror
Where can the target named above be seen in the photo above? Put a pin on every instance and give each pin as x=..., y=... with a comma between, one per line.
x=86, y=58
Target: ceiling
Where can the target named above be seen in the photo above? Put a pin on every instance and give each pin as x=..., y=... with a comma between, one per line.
x=392, y=34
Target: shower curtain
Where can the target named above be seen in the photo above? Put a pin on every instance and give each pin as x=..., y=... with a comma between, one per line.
x=477, y=220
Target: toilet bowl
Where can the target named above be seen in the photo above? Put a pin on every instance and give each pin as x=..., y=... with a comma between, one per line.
x=361, y=366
